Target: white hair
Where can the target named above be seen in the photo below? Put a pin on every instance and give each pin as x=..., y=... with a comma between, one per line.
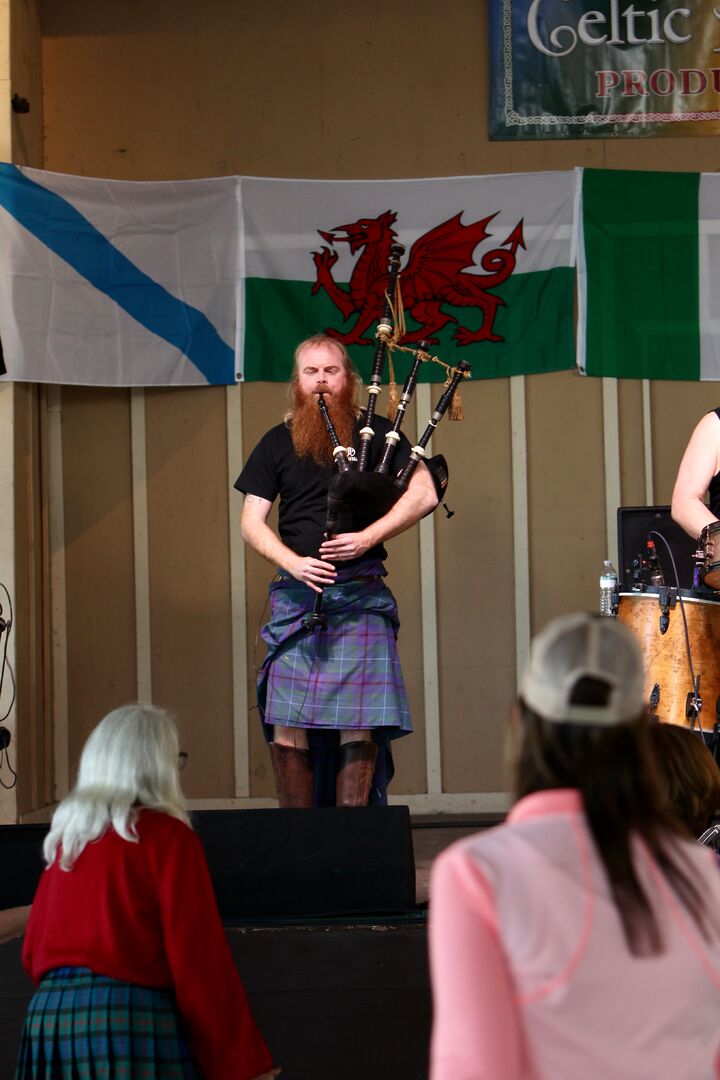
x=130, y=761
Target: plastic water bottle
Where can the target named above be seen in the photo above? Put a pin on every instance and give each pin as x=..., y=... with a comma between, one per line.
x=608, y=589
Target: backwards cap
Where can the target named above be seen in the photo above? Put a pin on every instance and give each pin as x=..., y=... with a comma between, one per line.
x=574, y=647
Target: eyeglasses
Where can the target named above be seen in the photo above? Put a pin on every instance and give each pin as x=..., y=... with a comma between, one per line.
x=182, y=759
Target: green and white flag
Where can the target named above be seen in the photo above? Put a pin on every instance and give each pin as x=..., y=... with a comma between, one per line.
x=487, y=274
x=648, y=268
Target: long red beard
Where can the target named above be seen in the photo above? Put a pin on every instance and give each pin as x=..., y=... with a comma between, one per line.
x=310, y=436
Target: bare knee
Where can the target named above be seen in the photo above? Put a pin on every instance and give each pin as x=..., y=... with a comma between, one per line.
x=358, y=735
x=289, y=736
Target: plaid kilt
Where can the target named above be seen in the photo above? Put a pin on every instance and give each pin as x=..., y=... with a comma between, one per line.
x=83, y=1026
x=347, y=676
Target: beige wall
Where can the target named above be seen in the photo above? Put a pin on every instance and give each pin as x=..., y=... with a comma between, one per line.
x=317, y=89
x=22, y=522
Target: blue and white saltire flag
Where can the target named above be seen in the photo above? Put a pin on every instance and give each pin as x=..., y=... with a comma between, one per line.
x=119, y=283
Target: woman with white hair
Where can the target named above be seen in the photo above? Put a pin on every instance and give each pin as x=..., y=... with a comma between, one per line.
x=579, y=938
x=124, y=938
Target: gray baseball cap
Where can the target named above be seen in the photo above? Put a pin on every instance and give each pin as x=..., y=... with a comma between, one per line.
x=573, y=647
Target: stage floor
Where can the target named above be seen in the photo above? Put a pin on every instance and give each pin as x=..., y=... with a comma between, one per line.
x=432, y=834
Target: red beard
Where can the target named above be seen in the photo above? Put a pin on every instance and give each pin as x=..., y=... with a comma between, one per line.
x=307, y=428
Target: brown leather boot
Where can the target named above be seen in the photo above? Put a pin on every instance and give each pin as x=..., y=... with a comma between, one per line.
x=356, y=765
x=293, y=775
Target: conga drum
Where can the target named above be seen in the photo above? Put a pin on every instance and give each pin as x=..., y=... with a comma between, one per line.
x=710, y=566
x=667, y=670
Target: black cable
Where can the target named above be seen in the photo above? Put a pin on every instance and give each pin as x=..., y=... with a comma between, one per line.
x=6, y=625
x=8, y=787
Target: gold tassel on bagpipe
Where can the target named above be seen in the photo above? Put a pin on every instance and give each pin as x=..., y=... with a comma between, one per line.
x=456, y=411
x=392, y=339
x=393, y=396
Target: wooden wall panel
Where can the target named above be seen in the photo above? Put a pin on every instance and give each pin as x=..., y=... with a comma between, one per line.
x=31, y=717
x=632, y=446
x=33, y=750
x=26, y=67
x=99, y=557
x=191, y=654
x=263, y=405
x=475, y=589
x=676, y=409
x=403, y=565
x=566, y=493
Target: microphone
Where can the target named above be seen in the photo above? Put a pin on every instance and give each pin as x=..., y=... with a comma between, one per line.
x=657, y=580
x=664, y=619
x=666, y=600
x=653, y=564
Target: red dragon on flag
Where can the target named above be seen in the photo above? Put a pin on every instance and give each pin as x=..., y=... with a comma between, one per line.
x=435, y=275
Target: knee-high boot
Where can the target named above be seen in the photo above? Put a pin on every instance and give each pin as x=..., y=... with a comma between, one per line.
x=356, y=765
x=293, y=775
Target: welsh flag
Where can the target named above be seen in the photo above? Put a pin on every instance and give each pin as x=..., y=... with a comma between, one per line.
x=115, y=283
x=487, y=274
x=648, y=265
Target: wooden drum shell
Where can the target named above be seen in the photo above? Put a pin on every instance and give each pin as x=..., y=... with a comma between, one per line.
x=665, y=655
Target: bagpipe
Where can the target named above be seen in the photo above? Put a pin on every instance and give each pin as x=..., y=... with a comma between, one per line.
x=358, y=496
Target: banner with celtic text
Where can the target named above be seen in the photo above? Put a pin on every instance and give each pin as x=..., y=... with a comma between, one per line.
x=581, y=68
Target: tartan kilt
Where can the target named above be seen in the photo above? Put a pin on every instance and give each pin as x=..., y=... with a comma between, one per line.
x=345, y=677
x=83, y=1026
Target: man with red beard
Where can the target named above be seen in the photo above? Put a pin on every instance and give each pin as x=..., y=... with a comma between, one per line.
x=336, y=692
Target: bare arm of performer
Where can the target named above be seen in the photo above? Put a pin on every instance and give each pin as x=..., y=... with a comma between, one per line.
x=255, y=531
x=701, y=461
x=419, y=499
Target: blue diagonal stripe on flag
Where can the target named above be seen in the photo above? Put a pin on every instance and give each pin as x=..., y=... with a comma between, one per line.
x=64, y=230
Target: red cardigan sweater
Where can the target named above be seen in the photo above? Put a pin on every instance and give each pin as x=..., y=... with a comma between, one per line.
x=145, y=913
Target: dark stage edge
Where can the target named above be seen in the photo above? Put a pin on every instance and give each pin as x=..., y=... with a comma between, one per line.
x=343, y=1001
x=336, y=999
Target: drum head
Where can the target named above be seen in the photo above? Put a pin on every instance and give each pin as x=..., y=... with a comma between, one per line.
x=711, y=576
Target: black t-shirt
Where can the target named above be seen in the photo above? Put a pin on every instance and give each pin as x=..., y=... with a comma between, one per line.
x=274, y=469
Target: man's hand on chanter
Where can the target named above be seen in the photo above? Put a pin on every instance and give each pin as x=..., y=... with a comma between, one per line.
x=345, y=546
x=317, y=573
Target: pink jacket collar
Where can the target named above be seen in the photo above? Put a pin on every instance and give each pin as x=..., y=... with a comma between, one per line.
x=543, y=803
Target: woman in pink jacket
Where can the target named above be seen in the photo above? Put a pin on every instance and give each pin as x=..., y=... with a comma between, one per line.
x=581, y=937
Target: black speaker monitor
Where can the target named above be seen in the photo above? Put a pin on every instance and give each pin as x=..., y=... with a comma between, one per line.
x=21, y=862
x=309, y=863
x=272, y=863
x=634, y=523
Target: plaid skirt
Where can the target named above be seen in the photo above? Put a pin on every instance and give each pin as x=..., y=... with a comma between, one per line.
x=344, y=677
x=83, y=1026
